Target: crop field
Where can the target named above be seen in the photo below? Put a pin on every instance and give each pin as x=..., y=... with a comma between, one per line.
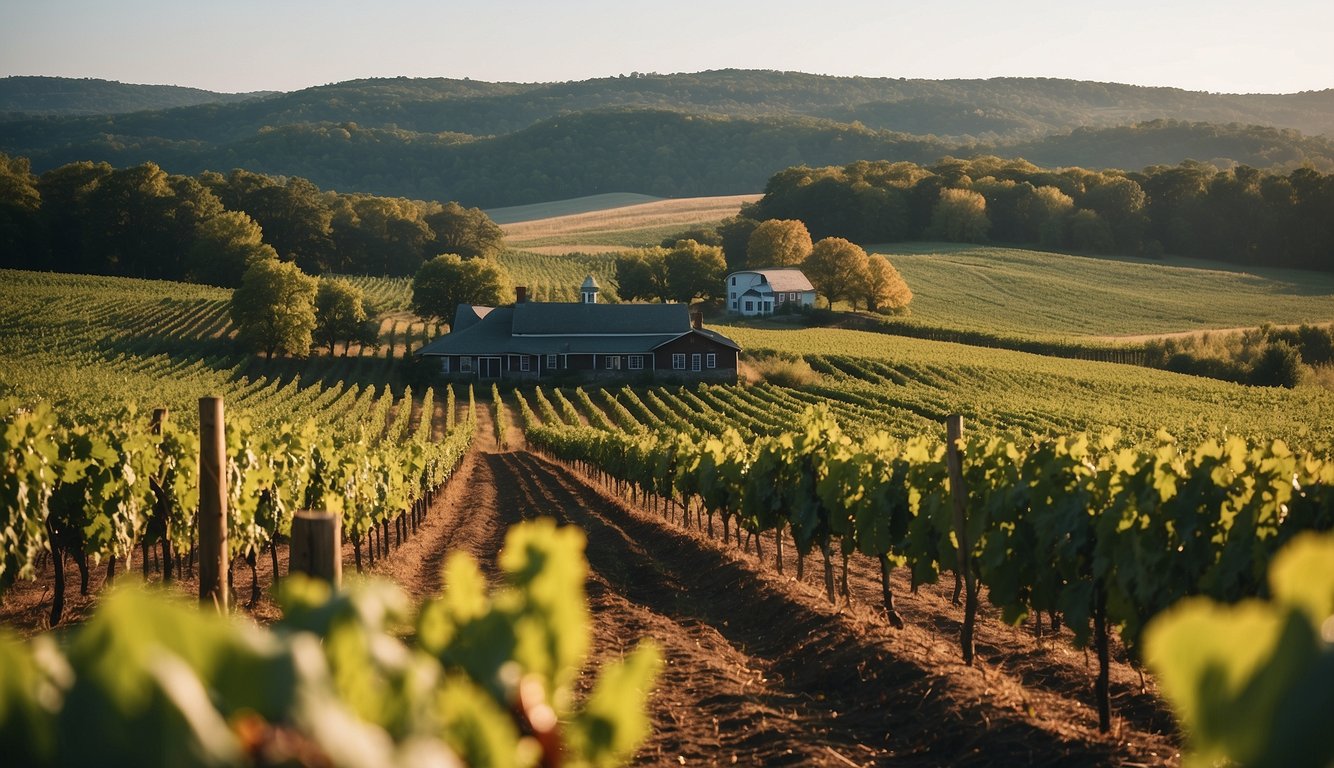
x=1002, y=390
x=1051, y=295
x=100, y=343
x=794, y=627
x=628, y=226
x=579, y=205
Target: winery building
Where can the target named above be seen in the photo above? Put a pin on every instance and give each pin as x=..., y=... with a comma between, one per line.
x=583, y=341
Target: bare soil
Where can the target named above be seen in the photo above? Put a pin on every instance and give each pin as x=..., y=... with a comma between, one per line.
x=760, y=667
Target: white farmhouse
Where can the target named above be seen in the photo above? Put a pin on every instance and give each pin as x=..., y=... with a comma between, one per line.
x=765, y=291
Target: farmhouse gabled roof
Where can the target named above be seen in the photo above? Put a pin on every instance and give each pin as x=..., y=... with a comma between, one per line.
x=783, y=280
x=467, y=314
x=553, y=329
x=540, y=319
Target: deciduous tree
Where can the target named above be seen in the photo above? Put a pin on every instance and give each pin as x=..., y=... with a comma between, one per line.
x=341, y=315
x=274, y=309
x=960, y=216
x=778, y=243
x=224, y=246
x=886, y=290
x=641, y=275
x=837, y=269
x=695, y=271
x=469, y=232
x=445, y=282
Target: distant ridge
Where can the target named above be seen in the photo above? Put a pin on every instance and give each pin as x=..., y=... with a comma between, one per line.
x=498, y=145
x=36, y=95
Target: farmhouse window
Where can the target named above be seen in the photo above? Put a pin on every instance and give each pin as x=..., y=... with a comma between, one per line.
x=636, y=362
x=679, y=362
x=552, y=362
x=465, y=365
x=444, y=365
x=613, y=362
x=780, y=298
x=711, y=360
x=733, y=279
x=523, y=362
x=750, y=305
x=695, y=361
x=792, y=296
x=734, y=303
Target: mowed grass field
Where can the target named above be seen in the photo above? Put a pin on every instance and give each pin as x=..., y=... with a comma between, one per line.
x=1024, y=293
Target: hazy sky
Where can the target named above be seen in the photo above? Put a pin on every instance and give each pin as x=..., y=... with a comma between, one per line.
x=245, y=45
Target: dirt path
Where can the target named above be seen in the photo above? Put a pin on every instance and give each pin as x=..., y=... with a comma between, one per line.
x=761, y=670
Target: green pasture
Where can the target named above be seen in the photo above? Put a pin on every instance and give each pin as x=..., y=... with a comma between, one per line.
x=1024, y=293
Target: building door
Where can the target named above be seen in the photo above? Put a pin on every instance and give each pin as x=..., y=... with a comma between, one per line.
x=488, y=367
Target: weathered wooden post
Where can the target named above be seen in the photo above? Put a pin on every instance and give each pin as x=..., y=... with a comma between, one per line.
x=959, y=494
x=159, y=522
x=213, y=559
x=316, y=549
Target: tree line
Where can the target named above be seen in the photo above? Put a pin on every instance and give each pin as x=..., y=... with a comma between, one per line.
x=694, y=264
x=663, y=152
x=1241, y=215
x=141, y=221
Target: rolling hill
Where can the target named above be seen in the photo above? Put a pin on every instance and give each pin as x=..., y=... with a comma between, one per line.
x=31, y=95
x=709, y=133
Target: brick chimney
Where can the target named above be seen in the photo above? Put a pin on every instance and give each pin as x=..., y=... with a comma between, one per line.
x=520, y=294
x=696, y=319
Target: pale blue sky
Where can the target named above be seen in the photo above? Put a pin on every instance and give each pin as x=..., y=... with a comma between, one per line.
x=246, y=45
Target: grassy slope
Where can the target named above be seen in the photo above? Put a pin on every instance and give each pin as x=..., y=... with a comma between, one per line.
x=1048, y=295
x=571, y=207
x=97, y=343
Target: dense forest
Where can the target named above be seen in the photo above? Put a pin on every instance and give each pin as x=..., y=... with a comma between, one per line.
x=34, y=95
x=500, y=144
x=143, y=222
x=1241, y=215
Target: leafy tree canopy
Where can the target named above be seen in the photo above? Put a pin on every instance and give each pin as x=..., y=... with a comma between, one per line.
x=274, y=309
x=838, y=270
x=341, y=315
x=445, y=282
x=778, y=243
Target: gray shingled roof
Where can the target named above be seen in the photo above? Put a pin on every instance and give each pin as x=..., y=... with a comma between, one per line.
x=782, y=280
x=533, y=318
x=466, y=315
x=570, y=329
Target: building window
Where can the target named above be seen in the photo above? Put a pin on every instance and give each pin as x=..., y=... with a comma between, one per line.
x=465, y=365
x=780, y=298
x=678, y=362
x=750, y=305
x=523, y=362
x=792, y=296
x=552, y=362
x=734, y=303
x=733, y=279
x=613, y=362
x=636, y=362
x=444, y=365
x=711, y=360
x=695, y=361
